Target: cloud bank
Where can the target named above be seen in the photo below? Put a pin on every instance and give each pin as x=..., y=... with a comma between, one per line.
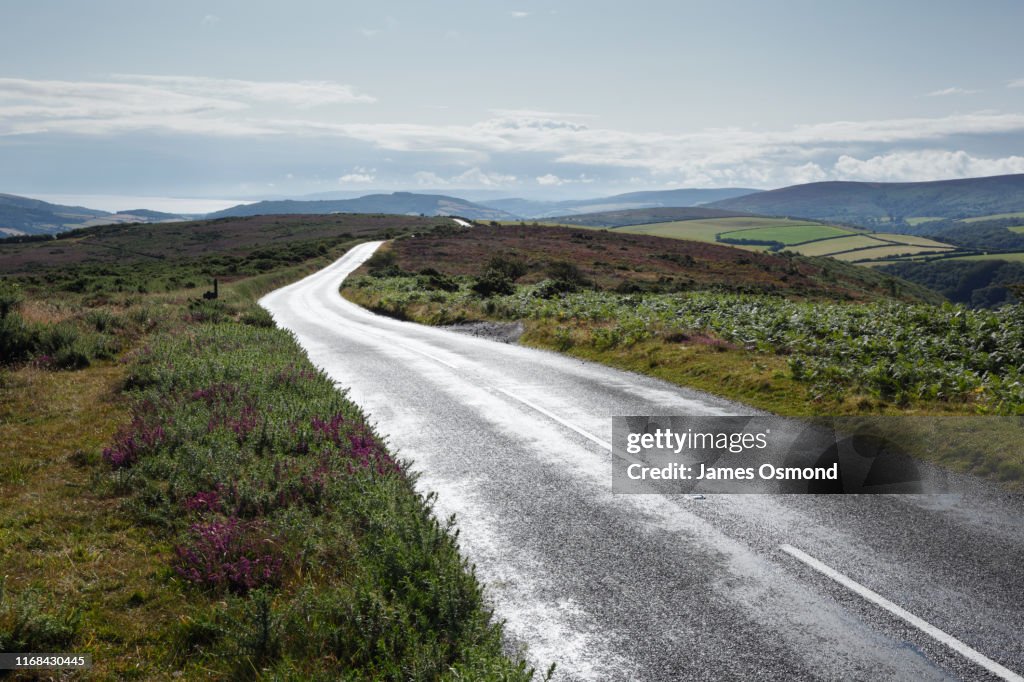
x=506, y=148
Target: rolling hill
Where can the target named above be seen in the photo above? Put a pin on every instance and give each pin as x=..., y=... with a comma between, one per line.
x=872, y=204
x=21, y=215
x=529, y=209
x=640, y=216
x=399, y=203
x=25, y=216
x=170, y=242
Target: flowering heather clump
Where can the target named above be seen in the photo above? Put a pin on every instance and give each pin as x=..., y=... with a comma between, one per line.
x=245, y=423
x=331, y=430
x=205, y=501
x=218, y=394
x=133, y=441
x=228, y=554
x=356, y=442
x=292, y=376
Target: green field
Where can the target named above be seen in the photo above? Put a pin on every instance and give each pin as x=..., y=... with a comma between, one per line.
x=695, y=230
x=910, y=239
x=892, y=250
x=708, y=230
x=794, y=233
x=885, y=245
x=828, y=247
x=807, y=238
x=1017, y=257
x=994, y=216
x=1019, y=229
x=922, y=219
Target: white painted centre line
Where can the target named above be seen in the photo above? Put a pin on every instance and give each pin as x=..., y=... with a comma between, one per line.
x=922, y=625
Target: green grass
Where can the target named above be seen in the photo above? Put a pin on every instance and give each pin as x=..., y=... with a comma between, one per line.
x=907, y=353
x=888, y=252
x=1010, y=257
x=208, y=504
x=706, y=230
x=789, y=234
x=910, y=239
x=994, y=216
x=1018, y=229
x=695, y=230
x=827, y=247
x=881, y=240
x=806, y=238
x=253, y=442
x=918, y=220
x=792, y=358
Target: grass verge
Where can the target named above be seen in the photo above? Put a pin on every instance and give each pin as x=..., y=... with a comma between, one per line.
x=789, y=357
x=208, y=505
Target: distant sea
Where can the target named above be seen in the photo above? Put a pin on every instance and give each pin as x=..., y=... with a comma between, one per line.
x=115, y=202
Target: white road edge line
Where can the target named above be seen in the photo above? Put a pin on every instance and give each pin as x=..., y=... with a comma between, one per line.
x=922, y=625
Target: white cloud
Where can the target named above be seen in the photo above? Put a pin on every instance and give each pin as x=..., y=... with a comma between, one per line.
x=358, y=175
x=475, y=177
x=519, y=15
x=429, y=178
x=930, y=164
x=208, y=106
x=369, y=32
x=1019, y=83
x=210, y=20
x=295, y=93
x=556, y=146
x=945, y=92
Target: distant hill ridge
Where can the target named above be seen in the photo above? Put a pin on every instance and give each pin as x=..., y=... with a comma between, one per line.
x=671, y=198
x=872, y=204
x=22, y=215
x=642, y=216
x=403, y=203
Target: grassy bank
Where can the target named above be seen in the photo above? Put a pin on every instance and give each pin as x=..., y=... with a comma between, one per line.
x=201, y=502
x=784, y=354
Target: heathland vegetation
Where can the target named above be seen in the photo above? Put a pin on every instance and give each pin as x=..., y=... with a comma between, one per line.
x=790, y=334
x=182, y=492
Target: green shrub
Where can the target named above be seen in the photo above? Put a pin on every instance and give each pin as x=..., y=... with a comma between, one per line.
x=32, y=623
x=10, y=297
x=18, y=341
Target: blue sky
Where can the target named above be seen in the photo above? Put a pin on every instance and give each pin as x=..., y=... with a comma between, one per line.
x=546, y=99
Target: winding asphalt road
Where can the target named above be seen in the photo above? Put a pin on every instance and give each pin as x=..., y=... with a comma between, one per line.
x=650, y=587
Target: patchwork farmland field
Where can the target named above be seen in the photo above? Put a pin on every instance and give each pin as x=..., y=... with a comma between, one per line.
x=995, y=216
x=888, y=251
x=1009, y=257
x=795, y=233
x=828, y=247
x=808, y=238
x=695, y=230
